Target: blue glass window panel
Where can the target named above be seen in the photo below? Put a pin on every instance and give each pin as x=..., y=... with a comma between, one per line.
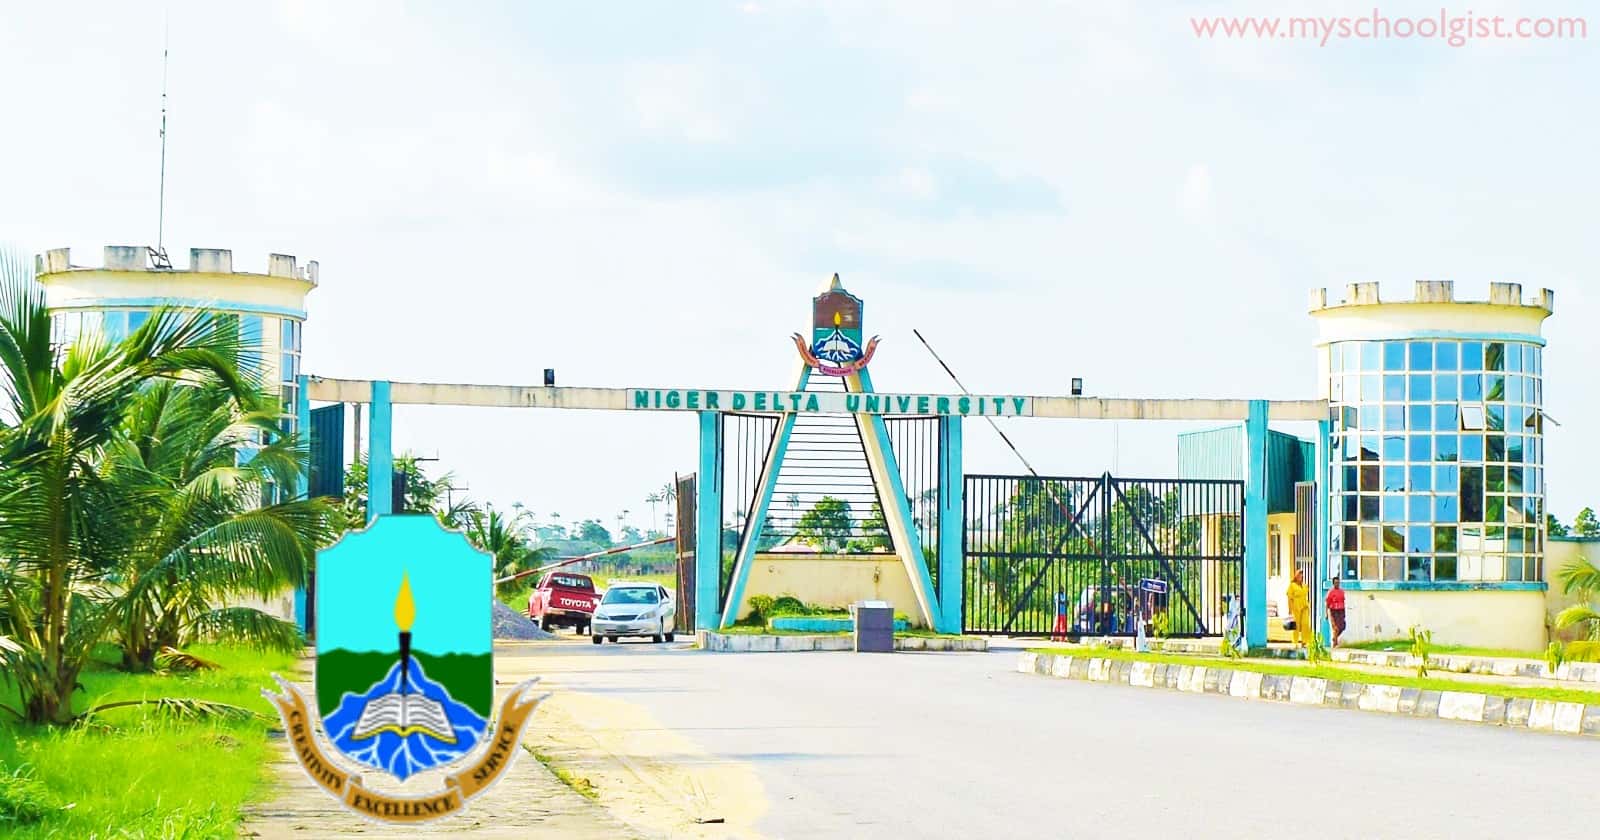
x=290, y=334
x=1446, y=386
x=1444, y=567
x=1422, y=447
x=1351, y=351
x=1494, y=388
x=1513, y=356
x=1444, y=355
x=1472, y=355
x=1514, y=449
x=1394, y=388
x=1421, y=477
x=1472, y=449
x=1347, y=418
x=1394, y=355
x=1419, y=538
x=1394, y=507
x=1421, y=389
x=1514, y=514
x=1351, y=447
x=1369, y=508
x=1394, y=481
x=1421, y=508
x=1514, y=388
x=1369, y=418
x=1516, y=418
x=1494, y=509
x=1421, y=355
x=1336, y=391
x=1419, y=418
x=1496, y=448
x=1335, y=361
x=136, y=320
x=1369, y=477
x=1351, y=476
x=1369, y=447
x=1394, y=537
x=1394, y=447
x=1445, y=477
x=1371, y=355
x=1371, y=388
x=1419, y=568
x=1495, y=418
x=1351, y=567
x=1471, y=387
x=1494, y=356
x=1394, y=418
x=114, y=325
x=1444, y=418
x=1535, y=356
x=1351, y=513
x=1445, y=508
x=1444, y=540
x=1446, y=447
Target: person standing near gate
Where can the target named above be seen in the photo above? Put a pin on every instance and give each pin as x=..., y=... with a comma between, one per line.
x=1059, y=632
x=1300, y=608
x=1335, y=603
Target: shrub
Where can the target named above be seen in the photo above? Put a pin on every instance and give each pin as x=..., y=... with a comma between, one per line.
x=23, y=798
x=760, y=608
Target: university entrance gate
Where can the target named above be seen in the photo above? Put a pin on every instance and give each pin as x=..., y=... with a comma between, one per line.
x=1095, y=556
x=835, y=492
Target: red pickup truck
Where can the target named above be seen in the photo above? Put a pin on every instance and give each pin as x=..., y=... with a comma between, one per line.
x=563, y=599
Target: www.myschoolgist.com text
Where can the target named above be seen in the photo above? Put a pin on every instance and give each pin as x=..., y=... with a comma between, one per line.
x=1456, y=30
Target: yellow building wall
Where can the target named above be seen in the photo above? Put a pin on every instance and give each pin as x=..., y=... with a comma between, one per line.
x=833, y=580
x=1558, y=554
x=1476, y=618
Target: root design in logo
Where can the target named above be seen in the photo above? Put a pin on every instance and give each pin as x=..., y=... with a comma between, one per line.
x=405, y=672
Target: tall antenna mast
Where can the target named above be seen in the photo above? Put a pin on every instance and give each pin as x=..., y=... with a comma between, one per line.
x=159, y=255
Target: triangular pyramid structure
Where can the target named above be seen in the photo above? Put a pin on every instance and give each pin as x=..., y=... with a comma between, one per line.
x=832, y=481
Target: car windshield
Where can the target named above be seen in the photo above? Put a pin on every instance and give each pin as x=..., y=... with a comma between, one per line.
x=630, y=595
x=569, y=581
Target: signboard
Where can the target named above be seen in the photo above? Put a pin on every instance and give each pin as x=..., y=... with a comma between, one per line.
x=931, y=405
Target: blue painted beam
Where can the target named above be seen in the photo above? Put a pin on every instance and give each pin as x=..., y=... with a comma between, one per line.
x=708, y=525
x=906, y=536
x=952, y=513
x=1324, y=497
x=380, y=454
x=302, y=482
x=1255, y=525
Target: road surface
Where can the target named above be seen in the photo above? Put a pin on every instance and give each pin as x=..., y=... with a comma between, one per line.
x=961, y=745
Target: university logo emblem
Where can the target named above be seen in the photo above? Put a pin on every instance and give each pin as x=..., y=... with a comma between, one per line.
x=835, y=348
x=405, y=672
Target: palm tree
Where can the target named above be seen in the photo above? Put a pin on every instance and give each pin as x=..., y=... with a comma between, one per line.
x=653, y=499
x=506, y=539
x=202, y=533
x=64, y=526
x=1582, y=578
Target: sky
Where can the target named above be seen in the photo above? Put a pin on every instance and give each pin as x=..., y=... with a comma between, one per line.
x=648, y=194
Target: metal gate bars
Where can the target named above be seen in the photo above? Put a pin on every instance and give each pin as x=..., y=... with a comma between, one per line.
x=1097, y=556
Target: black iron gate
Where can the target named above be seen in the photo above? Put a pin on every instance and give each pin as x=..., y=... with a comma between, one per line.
x=686, y=499
x=1095, y=556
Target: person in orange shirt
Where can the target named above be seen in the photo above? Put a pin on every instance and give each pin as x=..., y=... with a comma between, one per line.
x=1335, y=603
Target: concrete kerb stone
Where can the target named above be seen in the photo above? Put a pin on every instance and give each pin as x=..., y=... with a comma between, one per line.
x=1462, y=706
x=775, y=643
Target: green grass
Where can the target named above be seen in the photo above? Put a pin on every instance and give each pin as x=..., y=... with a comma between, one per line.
x=137, y=773
x=1404, y=646
x=1335, y=672
x=581, y=784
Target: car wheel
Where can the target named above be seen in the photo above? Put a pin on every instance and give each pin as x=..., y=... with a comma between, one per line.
x=670, y=634
x=583, y=629
x=544, y=624
x=595, y=639
x=613, y=639
x=660, y=631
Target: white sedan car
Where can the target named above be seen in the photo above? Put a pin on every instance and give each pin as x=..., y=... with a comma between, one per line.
x=634, y=609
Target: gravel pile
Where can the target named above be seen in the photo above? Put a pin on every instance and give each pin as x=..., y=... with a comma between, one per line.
x=512, y=626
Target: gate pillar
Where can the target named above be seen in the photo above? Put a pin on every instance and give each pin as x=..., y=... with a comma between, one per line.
x=1324, y=498
x=380, y=455
x=708, y=525
x=1255, y=526
x=952, y=511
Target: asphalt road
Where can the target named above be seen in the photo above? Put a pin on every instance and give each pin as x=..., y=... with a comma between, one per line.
x=961, y=745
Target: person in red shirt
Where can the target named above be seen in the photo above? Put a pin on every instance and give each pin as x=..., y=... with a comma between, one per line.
x=1336, y=609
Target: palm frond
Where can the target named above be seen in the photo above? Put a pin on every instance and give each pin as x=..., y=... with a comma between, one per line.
x=182, y=660
x=1581, y=578
x=1580, y=615
x=183, y=708
x=243, y=625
